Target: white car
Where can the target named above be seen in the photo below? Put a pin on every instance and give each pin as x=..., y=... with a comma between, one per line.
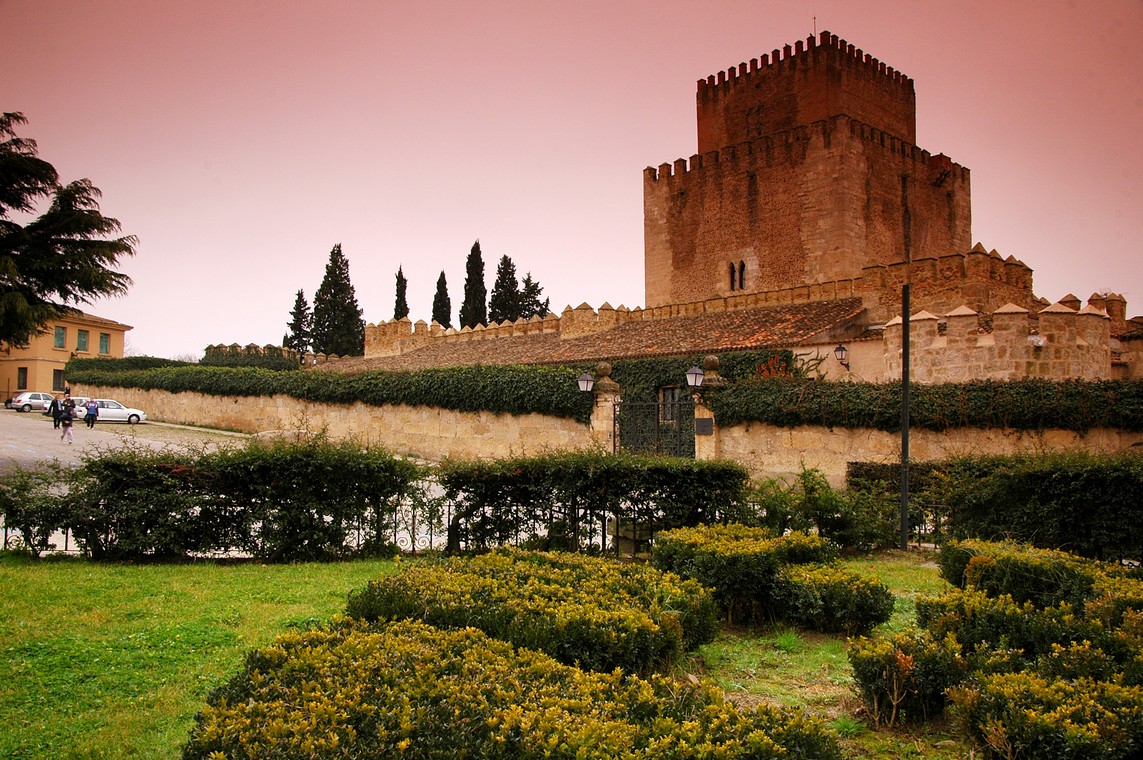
x=113, y=411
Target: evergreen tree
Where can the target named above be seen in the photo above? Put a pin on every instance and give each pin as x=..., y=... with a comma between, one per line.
x=474, y=308
x=442, y=306
x=506, y=302
x=62, y=257
x=300, y=327
x=530, y=304
x=401, y=307
x=337, y=324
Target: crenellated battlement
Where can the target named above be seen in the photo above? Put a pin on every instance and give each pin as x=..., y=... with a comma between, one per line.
x=790, y=146
x=825, y=49
x=1011, y=343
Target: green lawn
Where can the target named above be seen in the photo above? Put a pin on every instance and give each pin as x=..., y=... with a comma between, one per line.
x=114, y=660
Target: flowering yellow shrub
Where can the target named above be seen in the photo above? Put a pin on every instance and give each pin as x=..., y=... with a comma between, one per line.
x=589, y=611
x=407, y=690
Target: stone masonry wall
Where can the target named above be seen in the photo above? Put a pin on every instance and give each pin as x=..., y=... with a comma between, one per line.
x=426, y=432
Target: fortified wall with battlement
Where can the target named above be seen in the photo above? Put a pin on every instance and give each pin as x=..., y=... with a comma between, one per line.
x=807, y=172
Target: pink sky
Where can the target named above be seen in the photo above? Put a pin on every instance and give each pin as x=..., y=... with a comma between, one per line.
x=240, y=140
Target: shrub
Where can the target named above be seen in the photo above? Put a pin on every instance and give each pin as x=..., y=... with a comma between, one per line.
x=409, y=690
x=1027, y=574
x=830, y=599
x=740, y=563
x=588, y=611
x=33, y=502
x=905, y=678
x=1026, y=716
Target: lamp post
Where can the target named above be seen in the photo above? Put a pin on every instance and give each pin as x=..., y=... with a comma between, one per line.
x=841, y=353
x=586, y=382
x=695, y=377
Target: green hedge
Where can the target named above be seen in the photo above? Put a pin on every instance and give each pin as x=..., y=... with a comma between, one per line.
x=126, y=364
x=499, y=389
x=1019, y=404
x=591, y=612
x=905, y=678
x=567, y=497
x=277, y=502
x=757, y=576
x=408, y=690
x=1022, y=715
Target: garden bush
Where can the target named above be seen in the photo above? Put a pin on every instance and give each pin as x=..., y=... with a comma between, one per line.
x=589, y=611
x=1023, y=715
x=33, y=502
x=831, y=600
x=1043, y=577
x=905, y=678
x=408, y=690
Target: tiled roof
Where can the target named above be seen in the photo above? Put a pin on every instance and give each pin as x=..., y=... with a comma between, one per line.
x=766, y=327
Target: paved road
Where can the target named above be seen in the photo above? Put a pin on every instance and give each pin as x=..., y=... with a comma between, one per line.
x=29, y=438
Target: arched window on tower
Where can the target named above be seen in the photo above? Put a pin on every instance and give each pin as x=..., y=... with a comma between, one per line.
x=733, y=277
x=741, y=275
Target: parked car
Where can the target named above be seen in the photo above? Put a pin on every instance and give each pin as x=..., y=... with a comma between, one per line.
x=113, y=411
x=29, y=400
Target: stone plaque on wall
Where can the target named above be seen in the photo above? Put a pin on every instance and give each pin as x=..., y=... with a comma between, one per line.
x=704, y=426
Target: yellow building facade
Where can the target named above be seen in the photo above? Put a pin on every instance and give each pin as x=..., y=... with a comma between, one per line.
x=39, y=366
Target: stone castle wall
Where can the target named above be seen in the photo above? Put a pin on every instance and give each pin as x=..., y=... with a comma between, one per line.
x=426, y=432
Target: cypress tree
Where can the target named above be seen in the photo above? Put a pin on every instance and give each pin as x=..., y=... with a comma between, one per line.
x=442, y=306
x=337, y=324
x=401, y=307
x=299, y=328
x=474, y=307
x=530, y=304
x=505, y=302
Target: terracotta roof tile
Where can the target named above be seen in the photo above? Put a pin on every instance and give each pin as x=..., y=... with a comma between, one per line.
x=780, y=326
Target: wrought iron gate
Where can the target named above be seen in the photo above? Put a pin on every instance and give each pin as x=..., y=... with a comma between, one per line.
x=656, y=427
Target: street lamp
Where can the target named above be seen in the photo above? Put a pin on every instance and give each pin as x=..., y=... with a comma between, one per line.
x=695, y=376
x=586, y=382
x=841, y=353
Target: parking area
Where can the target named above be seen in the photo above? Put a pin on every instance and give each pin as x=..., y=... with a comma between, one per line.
x=27, y=438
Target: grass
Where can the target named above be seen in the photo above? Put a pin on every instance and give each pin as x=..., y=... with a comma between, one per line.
x=114, y=660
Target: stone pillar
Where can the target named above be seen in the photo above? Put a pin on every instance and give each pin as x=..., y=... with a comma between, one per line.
x=706, y=430
x=607, y=395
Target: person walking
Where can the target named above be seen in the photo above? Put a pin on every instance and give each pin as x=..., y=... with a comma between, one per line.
x=54, y=409
x=67, y=419
x=92, y=409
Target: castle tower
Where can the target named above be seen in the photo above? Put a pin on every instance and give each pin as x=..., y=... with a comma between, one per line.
x=807, y=173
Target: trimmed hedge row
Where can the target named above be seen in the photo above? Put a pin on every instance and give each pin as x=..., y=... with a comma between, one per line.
x=498, y=389
x=277, y=502
x=1059, y=678
x=755, y=575
x=566, y=497
x=585, y=611
x=408, y=690
x=1016, y=404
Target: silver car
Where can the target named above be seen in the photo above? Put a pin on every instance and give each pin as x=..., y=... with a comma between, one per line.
x=111, y=411
x=29, y=400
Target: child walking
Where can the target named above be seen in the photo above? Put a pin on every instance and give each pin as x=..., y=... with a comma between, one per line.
x=67, y=418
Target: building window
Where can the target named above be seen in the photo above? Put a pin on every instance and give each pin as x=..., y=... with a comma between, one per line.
x=57, y=380
x=81, y=340
x=104, y=343
x=21, y=378
x=742, y=275
x=60, y=337
x=733, y=278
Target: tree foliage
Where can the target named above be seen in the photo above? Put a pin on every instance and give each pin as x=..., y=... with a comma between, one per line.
x=506, y=302
x=530, y=304
x=474, y=307
x=401, y=305
x=337, y=324
x=61, y=258
x=442, y=305
x=299, y=330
